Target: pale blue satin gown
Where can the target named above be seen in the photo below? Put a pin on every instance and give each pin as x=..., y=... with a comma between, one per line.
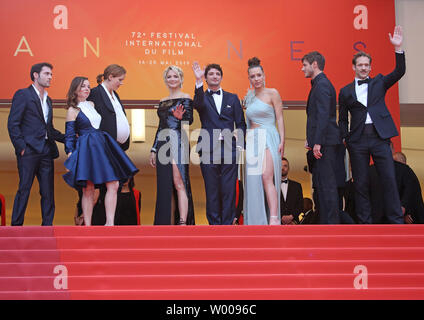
x=266, y=136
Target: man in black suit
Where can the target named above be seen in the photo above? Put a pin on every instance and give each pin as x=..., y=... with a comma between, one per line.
x=220, y=111
x=370, y=131
x=322, y=138
x=409, y=190
x=33, y=136
x=410, y=193
x=309, y=216
x=291, y=197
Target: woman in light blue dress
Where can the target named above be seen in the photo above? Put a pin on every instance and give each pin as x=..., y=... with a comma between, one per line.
x=264, y=150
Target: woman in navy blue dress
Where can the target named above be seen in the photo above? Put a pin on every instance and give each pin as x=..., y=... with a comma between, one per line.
x=94, y=157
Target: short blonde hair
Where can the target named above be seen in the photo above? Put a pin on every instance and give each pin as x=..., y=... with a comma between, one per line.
x=177, y=70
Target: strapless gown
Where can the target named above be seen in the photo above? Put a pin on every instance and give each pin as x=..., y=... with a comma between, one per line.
x=95, y=157
x=175, y=148
x=266, y=136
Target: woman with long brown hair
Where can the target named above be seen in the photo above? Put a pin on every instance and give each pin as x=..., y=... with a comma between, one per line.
x=94, y=157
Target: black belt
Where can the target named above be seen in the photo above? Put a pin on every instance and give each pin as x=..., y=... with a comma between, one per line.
x=369, y=128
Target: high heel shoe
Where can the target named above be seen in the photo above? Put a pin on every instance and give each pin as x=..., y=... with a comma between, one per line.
x=274, y=221
x=182, y=222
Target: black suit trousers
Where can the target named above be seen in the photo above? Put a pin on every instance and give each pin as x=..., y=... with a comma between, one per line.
x=220, y=186
x=324, y=180
x=371, y=144
x=31, y=165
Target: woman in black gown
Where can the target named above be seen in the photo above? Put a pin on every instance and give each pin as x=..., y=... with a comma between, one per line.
x=170, y=154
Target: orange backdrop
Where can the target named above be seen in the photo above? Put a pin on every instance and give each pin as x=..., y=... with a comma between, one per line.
x=145, y=36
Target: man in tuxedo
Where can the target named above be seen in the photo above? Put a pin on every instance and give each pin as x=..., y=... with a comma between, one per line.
x=33, y=136
x=218, y=146
x=309, y=216
x=291, y=197
x=409, y=193
x=322, y=138
x=370, y=131
x=409, y=190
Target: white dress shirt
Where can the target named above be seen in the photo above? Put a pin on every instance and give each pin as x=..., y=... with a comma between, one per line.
x=362, y=96
x=90, y=112
x=217, y=98
x=122, y=125
x=284, y=188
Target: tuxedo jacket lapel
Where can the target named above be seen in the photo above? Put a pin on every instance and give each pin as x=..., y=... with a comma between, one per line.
x=287, y=195
x=50, y=116
x=117, y=97
x=309, y=97
x=106, y=99
x=370, y=86
x=224, y=100
x=37, y=101
x=353, y=90
x=288, y=191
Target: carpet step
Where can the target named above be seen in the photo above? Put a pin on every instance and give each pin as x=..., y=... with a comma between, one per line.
x=102, y=231
x=210, y=267
x=212, y=281
x=212, y=262
x=211, y=254
x=219, y=294
x=98, y=231
x=288, y=241
x=282, y=241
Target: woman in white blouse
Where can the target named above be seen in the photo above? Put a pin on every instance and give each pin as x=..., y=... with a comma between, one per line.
x=109, y=106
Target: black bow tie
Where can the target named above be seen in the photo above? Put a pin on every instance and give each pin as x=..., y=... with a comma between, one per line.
x=363, y=81
x=215, y=92
x=285, y=181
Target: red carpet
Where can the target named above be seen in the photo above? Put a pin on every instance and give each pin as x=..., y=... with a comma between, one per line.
x=212, y=262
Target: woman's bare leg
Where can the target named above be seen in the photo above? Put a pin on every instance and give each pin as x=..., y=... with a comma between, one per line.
x=110, y=201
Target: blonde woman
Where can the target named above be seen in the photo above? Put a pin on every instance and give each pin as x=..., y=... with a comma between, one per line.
x=170, y=154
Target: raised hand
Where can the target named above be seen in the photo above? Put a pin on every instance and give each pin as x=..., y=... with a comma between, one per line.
x=397, y=38
x=199, y=73
x=178, y=112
